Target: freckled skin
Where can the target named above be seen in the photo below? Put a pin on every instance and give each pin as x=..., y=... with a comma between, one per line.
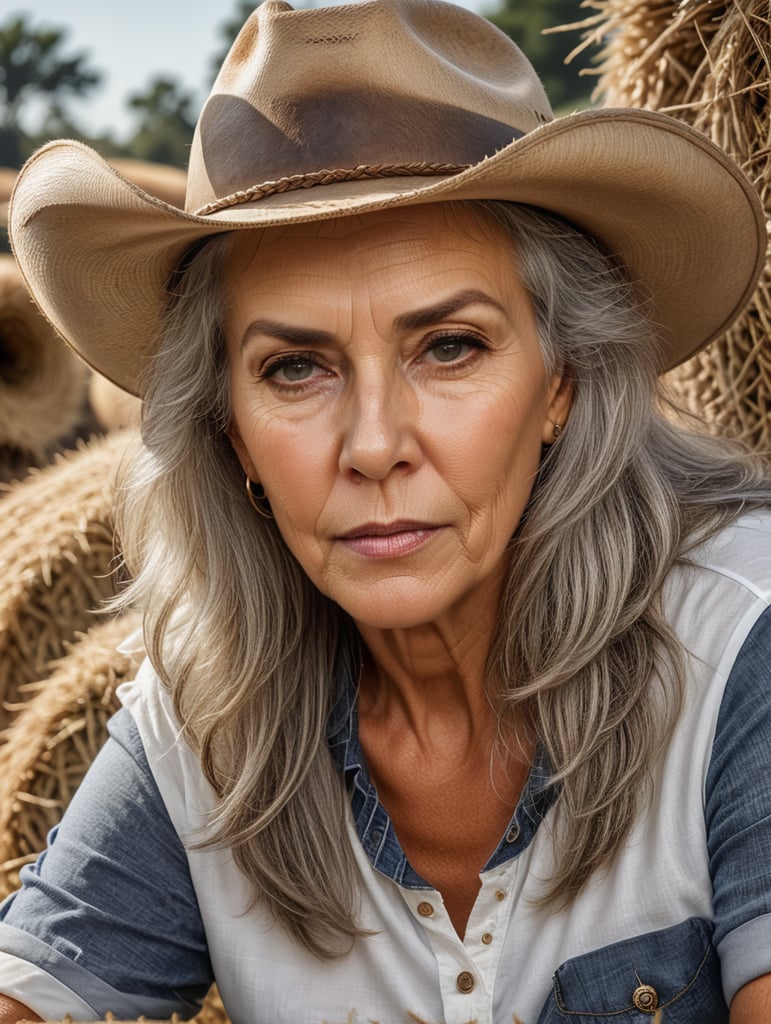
x=382, y=430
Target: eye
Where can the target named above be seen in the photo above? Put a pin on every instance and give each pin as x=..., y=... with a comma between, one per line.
x=452, y=348
x=294, y=368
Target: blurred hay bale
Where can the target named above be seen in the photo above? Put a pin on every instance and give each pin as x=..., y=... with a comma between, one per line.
x=7, y=178
x=58, y=730
x=42, y=382
x=112, y=406
x=53, y=739
x=707, y=63
x=56, y=560
x=160, y=180
x=46, y=402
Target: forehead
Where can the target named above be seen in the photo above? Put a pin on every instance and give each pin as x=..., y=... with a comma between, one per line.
x=461, y=234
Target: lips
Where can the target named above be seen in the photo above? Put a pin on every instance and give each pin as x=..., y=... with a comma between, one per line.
x=386, y=529
x=388, y=540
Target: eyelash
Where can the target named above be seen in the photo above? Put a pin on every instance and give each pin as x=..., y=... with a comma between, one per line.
x=455, y=337
x=275, y=365
x=269, y=371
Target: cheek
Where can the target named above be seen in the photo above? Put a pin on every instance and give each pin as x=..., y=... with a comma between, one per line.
x=493, y=453
x=296, y=469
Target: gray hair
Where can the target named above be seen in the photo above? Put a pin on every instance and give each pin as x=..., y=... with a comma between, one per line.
x=582, y=655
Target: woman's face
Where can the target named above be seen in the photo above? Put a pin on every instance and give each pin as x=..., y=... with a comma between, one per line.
x=389, y=394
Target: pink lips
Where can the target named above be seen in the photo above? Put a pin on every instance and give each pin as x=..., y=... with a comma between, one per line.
x=388, y=540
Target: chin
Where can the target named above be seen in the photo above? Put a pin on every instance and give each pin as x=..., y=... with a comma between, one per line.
x=404, y=609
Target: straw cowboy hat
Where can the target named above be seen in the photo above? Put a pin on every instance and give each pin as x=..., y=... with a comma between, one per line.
x=386, y=103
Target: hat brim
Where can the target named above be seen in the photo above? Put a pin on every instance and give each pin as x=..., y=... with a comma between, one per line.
x=96, y=251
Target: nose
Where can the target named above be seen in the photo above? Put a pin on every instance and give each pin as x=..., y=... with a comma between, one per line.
x=380, y=429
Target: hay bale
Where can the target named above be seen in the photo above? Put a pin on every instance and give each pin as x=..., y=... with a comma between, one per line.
x=651, y=53
x=58, y=730
x=112, y=407
x=57, y=556
x=730, y=381
x=708, y=64
x=51, y=743
x=42, y=382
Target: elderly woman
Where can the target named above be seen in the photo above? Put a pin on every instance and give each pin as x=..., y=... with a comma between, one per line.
x=455, y=705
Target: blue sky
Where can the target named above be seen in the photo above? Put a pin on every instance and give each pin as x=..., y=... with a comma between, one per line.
x=133, y=41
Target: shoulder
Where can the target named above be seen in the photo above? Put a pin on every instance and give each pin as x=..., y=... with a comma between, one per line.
x=175, y=767
x=738, y=556
x=719, y=588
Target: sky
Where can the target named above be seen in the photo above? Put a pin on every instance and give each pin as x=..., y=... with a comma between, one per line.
x=135, y=40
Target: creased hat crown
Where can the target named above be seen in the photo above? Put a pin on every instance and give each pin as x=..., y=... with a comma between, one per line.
x=388, y=86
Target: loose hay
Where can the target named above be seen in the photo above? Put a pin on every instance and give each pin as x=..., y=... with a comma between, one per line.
x=56, y=561
x=706, y=63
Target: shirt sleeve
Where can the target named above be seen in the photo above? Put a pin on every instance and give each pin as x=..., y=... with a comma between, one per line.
x=108, y=913
x=738, y=815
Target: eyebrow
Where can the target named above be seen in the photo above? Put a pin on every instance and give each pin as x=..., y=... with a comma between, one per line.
x=287, y=332
x=405, y=322
x=441, y=310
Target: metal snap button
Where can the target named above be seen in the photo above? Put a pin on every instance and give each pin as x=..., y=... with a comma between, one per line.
x=513, y=834
x=465, y=982
x=645, y=998
x=500, y=895
x=425, y=909
x=487, y=938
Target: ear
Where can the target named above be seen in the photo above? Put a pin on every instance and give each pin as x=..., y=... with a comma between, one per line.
x=242, y=454
x=560, y=398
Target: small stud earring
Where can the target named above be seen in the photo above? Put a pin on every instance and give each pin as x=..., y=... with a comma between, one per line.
x=256, y=500
x=557, y=430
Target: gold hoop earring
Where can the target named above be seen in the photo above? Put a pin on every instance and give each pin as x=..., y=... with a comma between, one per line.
x=256, y=499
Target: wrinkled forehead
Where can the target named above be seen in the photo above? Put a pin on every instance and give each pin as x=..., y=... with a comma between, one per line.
x=431, y=228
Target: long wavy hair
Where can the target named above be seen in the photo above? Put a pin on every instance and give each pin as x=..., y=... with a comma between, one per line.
x=582, y=655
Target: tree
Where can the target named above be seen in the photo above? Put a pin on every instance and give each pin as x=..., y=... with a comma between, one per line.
x=35, y=71
x=524, y=21
x=166, y=123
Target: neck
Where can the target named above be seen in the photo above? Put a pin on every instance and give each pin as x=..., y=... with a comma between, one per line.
x=431, y=678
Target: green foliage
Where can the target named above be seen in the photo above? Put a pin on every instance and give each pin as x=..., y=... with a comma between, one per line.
x=524, y=21
x=33, y=68
x=166, y=123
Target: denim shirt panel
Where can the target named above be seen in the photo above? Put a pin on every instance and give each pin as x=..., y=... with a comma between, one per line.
x=373, y=824
x=738, y=807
